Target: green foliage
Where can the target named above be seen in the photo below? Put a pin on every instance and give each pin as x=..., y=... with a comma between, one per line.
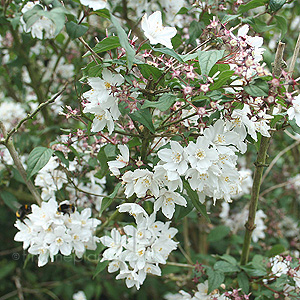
x=251, y=4
x=164, y=102
x=37, y=159
x=207, y=59
x=257, y=88
x=76, y=30
x=107, y=44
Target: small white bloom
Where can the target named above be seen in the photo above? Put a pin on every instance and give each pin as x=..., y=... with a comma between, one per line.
x=155, y=32
x=294, y=111
x=95, y=4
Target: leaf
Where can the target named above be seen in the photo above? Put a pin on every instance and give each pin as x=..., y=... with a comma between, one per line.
x=282, y=25
x=107, y=44
x=252, y=4
x=106, y=201
x=275, y=250
x=182, y=211
x=294, y=126
x=215, y=279
x=260, y=26
x=195, y=30
x=229, y=259
x=144, y=117
x=148, y=71
x=243, y=282
x=104, y=13
x=10, y=200
x=62, y=158
x=102, y=158
x=195, y=200
x=257, y=88
x=37, y=159
x=100, y=267
x=169, y=52
x=275, y=5
x=218, y=233
x=164, y=102
x=222, y=79
x=130, y=53
x=228, y=18
x=225, y=267
x=76, y=30
x=207, y=59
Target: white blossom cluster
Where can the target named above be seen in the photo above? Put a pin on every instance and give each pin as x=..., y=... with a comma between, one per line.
x=101, y=101
x=51, y=179
x=294, y=111
x=46, y=232
x=209, y=165
x=140, y=249
x=200, y=294
x=236, y=221
x=11, y=113
x=42, y=28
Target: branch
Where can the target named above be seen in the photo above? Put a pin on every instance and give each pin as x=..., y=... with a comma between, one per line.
x=294, y=57
x=30, y=116
x=14, y=154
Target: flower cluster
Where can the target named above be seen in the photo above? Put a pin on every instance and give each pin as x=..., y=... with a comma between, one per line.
x=139, y=249
x=102, y=102
x=43, y=27
x=202, y=294
x=46, y=232
x=11, y=113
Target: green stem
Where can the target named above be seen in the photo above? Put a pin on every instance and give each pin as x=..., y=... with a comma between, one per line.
x=259, y=165
x=250, y=225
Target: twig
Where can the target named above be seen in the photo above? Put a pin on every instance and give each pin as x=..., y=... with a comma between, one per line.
x=294, y=57
x=274, y=187
x=18, y=286
x=30, y=116
x=180, y=265
x=277, y=157
x=14, y=154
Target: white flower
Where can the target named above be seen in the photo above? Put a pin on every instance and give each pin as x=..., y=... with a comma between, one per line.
x=294, y=111
x=155, y=32
x=175, y=160
x=200, y=155
x=280, y=266
x=167, y=200
x=79, y=296
x=95, y=4
x=121, y=161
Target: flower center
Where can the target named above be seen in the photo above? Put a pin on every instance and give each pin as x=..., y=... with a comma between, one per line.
x=200, y=153
x=176, y=157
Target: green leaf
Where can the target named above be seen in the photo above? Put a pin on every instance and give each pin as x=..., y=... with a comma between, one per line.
x=260, y=26
x=76, y=30
x=281, y=23
x=195, y=30
x=144, y=117
x=218, y=233
x=195, y=200
x=294, y=126
x=222, y=79
x=10, y=200
x=102, y=158
x=104, y=13
x=148, y=71
x=215, y=279
x=62, y=158
x=243, y=282
x=207, y=59
x=15, y=21
x=37, y=159
x=182, y=211
x=275, y=250
x=250, y=5
x=275, y=5
x=229, y=259
x=225, y=267
x=164, y=102
x=169, y=52
x=107, y=44
x=130, y=53
x=228, y=18
x=257, y=88
x=107, y=201
x=100, y=267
